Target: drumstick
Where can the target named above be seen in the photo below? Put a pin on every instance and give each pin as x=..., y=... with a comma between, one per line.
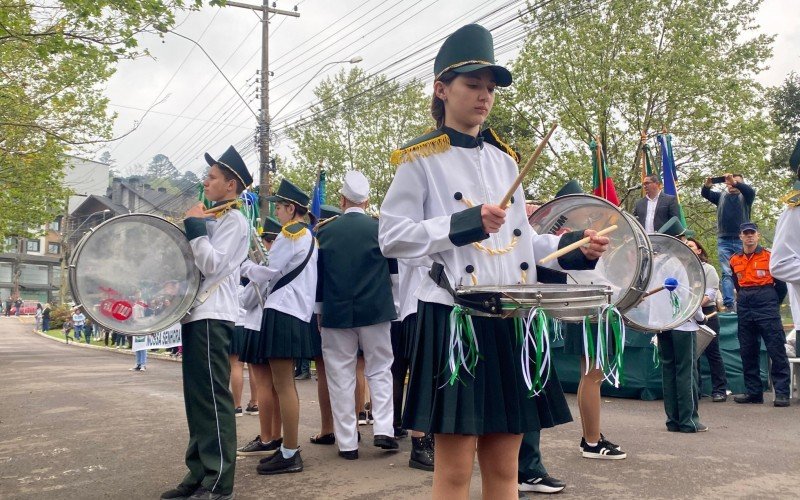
x=669, y=284
x=711, y=315
x=567, y=249
x=522, y=173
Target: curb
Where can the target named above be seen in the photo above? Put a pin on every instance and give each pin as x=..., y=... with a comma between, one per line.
x=126, y=352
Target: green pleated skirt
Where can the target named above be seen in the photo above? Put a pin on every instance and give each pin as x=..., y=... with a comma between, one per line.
x=494, y=400
x=249, y=353
x=237, y=341
x=316, y=340
x=403, y=333
x=573, y=338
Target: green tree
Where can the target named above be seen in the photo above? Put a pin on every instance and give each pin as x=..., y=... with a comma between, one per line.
x=784, y=102
x=54, y=56
x=614, y=69
x=358, y=122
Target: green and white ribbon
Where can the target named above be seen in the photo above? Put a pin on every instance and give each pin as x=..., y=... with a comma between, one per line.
x=463, y=349
x=611, y=327
x=607, y=348
x=558, y=329
x=676, y=303
x=535, y=351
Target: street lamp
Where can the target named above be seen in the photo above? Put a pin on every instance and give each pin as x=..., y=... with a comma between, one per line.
x=65, y=237
x=352, y=60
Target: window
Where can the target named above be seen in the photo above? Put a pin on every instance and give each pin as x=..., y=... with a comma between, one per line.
x=56, y=276
x=11, y=245
x=6, y=270
x=31, y=274
x=32, y=245
x=55, y=225
x=53, y=248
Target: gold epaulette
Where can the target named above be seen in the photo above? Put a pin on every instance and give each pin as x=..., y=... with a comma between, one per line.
x=325, y=221
x=792, y=198
x=421, y=147
x=495, y=140
x=293, y=230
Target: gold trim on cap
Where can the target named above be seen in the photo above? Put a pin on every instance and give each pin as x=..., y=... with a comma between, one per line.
x=234, y=173
x=291, y=200
x=463, y=63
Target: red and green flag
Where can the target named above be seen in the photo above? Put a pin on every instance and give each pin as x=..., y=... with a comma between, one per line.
x=602, y=183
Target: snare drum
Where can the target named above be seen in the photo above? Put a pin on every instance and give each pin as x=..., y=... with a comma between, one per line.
x=705, y=336
x=625, y=267
x=671, y=259
x=564, y=302
x=134, y=274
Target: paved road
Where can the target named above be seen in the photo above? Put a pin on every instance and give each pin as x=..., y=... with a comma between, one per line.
x=76, y=424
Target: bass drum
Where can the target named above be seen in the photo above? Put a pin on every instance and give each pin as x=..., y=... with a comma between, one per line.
x=626, y=265
x=134, y=274
x=663, y=310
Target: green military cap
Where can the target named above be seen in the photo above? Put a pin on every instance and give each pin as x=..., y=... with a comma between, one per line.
x=288, y=192
x=271, y=227
x=673, y=227
x=232, y=161
x=572, y=187
x=328, y=211
x=690, y=233
x=470, y=48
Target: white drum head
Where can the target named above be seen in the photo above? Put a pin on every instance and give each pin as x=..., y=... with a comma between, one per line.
x=134, y=274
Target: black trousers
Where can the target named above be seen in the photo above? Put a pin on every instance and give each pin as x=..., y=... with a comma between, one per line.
x=399, y=370
x=719, y=379
x=751, y=331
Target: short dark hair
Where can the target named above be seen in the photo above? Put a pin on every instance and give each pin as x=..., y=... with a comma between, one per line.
x=653, y=178
x=230, y=176
x=738, y=175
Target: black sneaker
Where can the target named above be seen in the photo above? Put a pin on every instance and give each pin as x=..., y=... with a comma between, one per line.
x=603, y=440
x=204, y=494
x=719, y=398
x=257, y=448
x=370, y=420
x=781, y=401
x=749, y=399
x=362, y=418
x=546, y=484
x=276, y=464
x=603, y=451
x=251, y=409
x=400, y=433
x=303, y=376
x=238, y=412
x=180, y=491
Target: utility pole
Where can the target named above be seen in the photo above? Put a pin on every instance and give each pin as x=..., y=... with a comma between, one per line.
x=264, y=125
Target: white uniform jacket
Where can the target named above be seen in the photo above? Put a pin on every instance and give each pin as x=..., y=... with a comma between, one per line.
x=784, y=262
x=297, y=297
x=219, y=247
x=253, y=308
x=410, y=278
x=427, y=208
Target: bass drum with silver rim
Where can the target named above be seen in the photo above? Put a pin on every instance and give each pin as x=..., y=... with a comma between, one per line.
x=134, y=274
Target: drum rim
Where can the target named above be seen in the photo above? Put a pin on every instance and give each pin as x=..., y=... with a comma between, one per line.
x=630, y=298
x=672, y=325
x=72, y=277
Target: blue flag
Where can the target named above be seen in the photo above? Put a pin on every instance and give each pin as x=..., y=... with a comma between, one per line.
x=669, y=171
x=318, y=195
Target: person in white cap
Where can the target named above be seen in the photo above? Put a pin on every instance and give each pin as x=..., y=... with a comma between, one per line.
x=354, y=299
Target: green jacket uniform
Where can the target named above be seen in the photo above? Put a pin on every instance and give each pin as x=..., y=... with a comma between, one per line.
x=354, y=285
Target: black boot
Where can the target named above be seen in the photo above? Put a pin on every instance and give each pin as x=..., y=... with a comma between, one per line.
x=422, y=453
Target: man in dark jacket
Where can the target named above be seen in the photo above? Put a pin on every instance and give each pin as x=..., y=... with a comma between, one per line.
x=657, y=207
x=733, y=209
x=354, y=297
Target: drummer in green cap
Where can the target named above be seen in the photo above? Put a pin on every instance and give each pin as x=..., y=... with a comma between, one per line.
x=268, y=410
x=441, y=211
x=219, y=241
x=285, y=329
